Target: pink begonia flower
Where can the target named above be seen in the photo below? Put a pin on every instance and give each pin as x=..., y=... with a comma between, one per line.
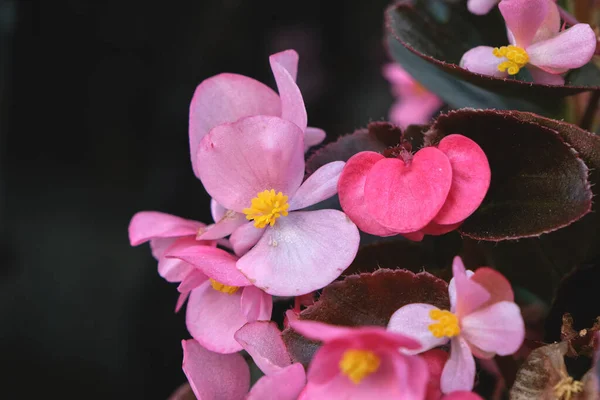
x=361, y=363
x=432, y=192
x=227, y=376
x=255, y=166
x=483, y=321
x=228, y=97
x=221, y=299
x=415, y=104
x=536, y=43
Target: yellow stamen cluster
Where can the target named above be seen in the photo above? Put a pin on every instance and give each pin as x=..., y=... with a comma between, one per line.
x=567, y=387
x=516, y=57
x=358, y=364
x=266, y=207
x=223, y=288
x=447, y=325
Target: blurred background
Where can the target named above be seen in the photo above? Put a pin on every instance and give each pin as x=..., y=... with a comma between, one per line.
x=94, y=102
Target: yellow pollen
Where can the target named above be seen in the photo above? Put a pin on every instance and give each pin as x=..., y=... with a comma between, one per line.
x=447, y=325
x=223, y=288
x=516, y=58
x=266, y=207
x=567, y=386
x=358, y=364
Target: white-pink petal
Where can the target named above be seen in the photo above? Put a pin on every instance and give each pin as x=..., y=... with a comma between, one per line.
x=285, y=384
x=256, y=304
x=292, y=104
x=262, y=340
x=545, y=78
x=239, y=160
x=227, y=98
x=523, y=18
x=214, y=376
x=569, y=49
x=459, y=371
x=469, y=295
x=313, y=137
x=303, y=252
x=245, y=237
x=146, y=225
x=413, y=320
x=481, y=7
x=498, y=328
x=228, y=223
x=321, y=185
x=482, y=60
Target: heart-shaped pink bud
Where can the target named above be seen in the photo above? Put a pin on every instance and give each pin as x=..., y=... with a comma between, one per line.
x=405, y=197
x=351, y=192
x=470, y=178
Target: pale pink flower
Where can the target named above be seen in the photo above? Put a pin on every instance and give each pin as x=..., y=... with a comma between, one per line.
x=483, y=320
x=228, y=97
x=221, y=299
x=255, y=166
x=227, y=376
x=414, y=104
x=362, y=363
x=536, y=43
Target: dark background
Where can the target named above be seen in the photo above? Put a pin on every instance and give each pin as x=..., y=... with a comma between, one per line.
x=94, y=99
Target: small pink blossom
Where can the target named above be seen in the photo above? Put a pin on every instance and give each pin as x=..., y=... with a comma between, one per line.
x=481, y=7
x=414, y=104
x=228, y=97
x=483, y=321
x=227, y=376
x=221, y=299
x=432, y=192
x=361, y=363
x=536, y=43
x=255, y=166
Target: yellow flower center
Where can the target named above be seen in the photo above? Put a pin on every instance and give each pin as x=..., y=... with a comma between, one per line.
x=567, y=386
x=266, y=207
x=516, y=58
x=223, y=288
x=447, y=325
x=358, y=364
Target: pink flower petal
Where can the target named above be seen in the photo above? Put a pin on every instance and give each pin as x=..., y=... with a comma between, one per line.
x=147, y=225
x=262, y=340
x=298, y=255
x=470, y=179
x=226, y=98
x=214, y=262
x=570, y=49
x=217, y=211
x=405, y=198
x=245, y=237
x=215, y=376
x=288, y=59
x=546, y=78
x=413, y=320
x=459, y=371
x=285, y=384
x=239, y=160
x=415, y=236
x=551, y=24
x=495, y=283
x=194, y=279
x=375, y=335
x=321, y=185
x=351, y=192
x=482, y=60
x=313, y=137
x=523, y=18
x=412, y=376
x=256, y=304
x=292, y=104
x=171, y=269
x=415, y=109
x=498, y=328
x=469, y=295
x=181, y=301
x=213, y=317
x=228, y=223
x=481, y=7
x=402, y=83
x=435, y=360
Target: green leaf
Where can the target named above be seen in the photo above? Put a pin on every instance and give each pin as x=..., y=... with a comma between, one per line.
x=366, y=299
